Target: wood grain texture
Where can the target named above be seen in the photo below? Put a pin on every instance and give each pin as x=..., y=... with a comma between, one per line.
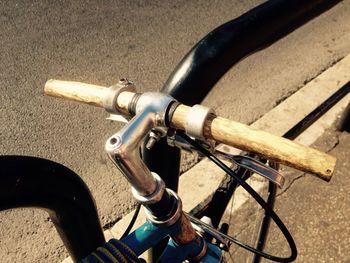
x=263, y=143
x=76, y=91
x=222, y=130
x=85, y=93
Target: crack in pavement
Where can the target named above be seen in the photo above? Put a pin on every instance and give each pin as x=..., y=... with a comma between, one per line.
x=335, y=144
x=337, y=135
x=290, y=184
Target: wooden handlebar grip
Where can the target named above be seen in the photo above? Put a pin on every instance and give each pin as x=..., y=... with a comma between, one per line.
x=76, y=91
x=220, y=129
x=263, y=143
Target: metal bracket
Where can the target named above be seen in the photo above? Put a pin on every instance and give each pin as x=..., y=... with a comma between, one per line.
x=110, y=99
x=196, y=119
x=123, y=147
x=169, y=221
x=174, y=140
x=205, y=227
x=118, y=118
x=155, y=196
x=255, y=166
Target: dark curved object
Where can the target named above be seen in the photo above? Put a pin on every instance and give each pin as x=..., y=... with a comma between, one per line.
x=344, y=122
x=313, y=116
x=266, y=221
x=165, y=161
x=40, y=183
x=218, y=51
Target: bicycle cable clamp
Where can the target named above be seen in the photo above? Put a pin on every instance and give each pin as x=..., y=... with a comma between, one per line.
x=195, y=120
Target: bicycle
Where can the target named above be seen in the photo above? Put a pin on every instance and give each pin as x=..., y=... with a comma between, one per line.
x=159, y=115
x=155, y=135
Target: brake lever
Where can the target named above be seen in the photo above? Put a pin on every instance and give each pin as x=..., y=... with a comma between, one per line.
x=255, y=166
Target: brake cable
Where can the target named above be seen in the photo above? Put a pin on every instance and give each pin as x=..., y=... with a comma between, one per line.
x=257, y=198
x=132, y=221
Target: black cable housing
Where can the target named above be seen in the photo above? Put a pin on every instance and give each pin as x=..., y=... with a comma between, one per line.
x=259, y=200
x=132, y=221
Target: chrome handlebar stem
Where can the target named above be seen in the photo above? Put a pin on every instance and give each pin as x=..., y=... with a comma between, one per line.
x=124, y=147
x=124, y=150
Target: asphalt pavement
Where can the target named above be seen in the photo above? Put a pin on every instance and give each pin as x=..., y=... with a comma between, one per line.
x=315, y=212
x=100, y=41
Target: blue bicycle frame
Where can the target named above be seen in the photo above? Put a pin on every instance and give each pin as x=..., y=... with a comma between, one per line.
x=148, y=235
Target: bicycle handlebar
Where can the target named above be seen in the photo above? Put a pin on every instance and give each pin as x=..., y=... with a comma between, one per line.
x=220, y=129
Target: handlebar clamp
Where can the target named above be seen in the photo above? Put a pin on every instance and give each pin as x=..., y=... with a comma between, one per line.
x=110, y=99
x=195, y=121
